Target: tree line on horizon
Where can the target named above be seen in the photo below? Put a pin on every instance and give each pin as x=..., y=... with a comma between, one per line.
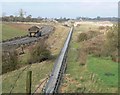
x=22, y=17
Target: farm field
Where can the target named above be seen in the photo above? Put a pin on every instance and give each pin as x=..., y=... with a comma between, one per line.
x=40, y=71
x=9, y=31
x=98, y=75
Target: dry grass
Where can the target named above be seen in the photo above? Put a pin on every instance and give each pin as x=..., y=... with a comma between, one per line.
x=94, y=45
x=19, y=26
x=68, y=79
x=56, y=40
x=40, y=86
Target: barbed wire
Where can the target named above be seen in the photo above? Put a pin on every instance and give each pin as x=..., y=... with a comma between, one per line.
x=19, y=77
x=40, y=85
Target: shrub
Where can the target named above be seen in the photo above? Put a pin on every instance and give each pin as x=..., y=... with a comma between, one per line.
x=9, y=61
x=82, y=37
x=87, y=35
x=104, y=45
x=92, y=33
x=101, y=27
x=112, y=39
x=96, y=46
x=115, y=56
x=39, y=52
x=82, y=56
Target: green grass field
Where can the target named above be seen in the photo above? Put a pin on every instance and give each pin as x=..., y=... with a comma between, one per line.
x=9, y=32
x=102, y=67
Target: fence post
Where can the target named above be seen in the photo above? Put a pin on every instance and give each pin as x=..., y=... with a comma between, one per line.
x=28, y=82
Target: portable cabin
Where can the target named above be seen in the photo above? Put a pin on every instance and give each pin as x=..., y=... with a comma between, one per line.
x=35, y=31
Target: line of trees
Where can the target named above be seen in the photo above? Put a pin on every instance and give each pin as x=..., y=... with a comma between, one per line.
x=12, y=18
x=20, y=18
x=98, y=18
x=23, y=18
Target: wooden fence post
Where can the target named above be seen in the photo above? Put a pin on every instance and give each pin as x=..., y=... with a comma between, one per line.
x=28, y=82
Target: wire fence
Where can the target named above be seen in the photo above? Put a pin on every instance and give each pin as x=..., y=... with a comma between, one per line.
x=40, y=85
x=13, y=86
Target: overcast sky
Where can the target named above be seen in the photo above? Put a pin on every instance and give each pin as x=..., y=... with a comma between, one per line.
x=60, y=8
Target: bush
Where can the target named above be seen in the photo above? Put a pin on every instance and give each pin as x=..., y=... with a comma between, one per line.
x=82, y=37
x=112, y=39
x=39, y=52
x=101, y=27
x=9, y=61
x=104, y=45
x=82, y=56
x=97, y=47
x=87, y=35
x=92, y=33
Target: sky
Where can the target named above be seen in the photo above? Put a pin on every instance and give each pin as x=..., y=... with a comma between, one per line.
x=60, y=8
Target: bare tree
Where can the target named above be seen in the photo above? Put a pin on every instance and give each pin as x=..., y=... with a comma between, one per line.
x=22, y=13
